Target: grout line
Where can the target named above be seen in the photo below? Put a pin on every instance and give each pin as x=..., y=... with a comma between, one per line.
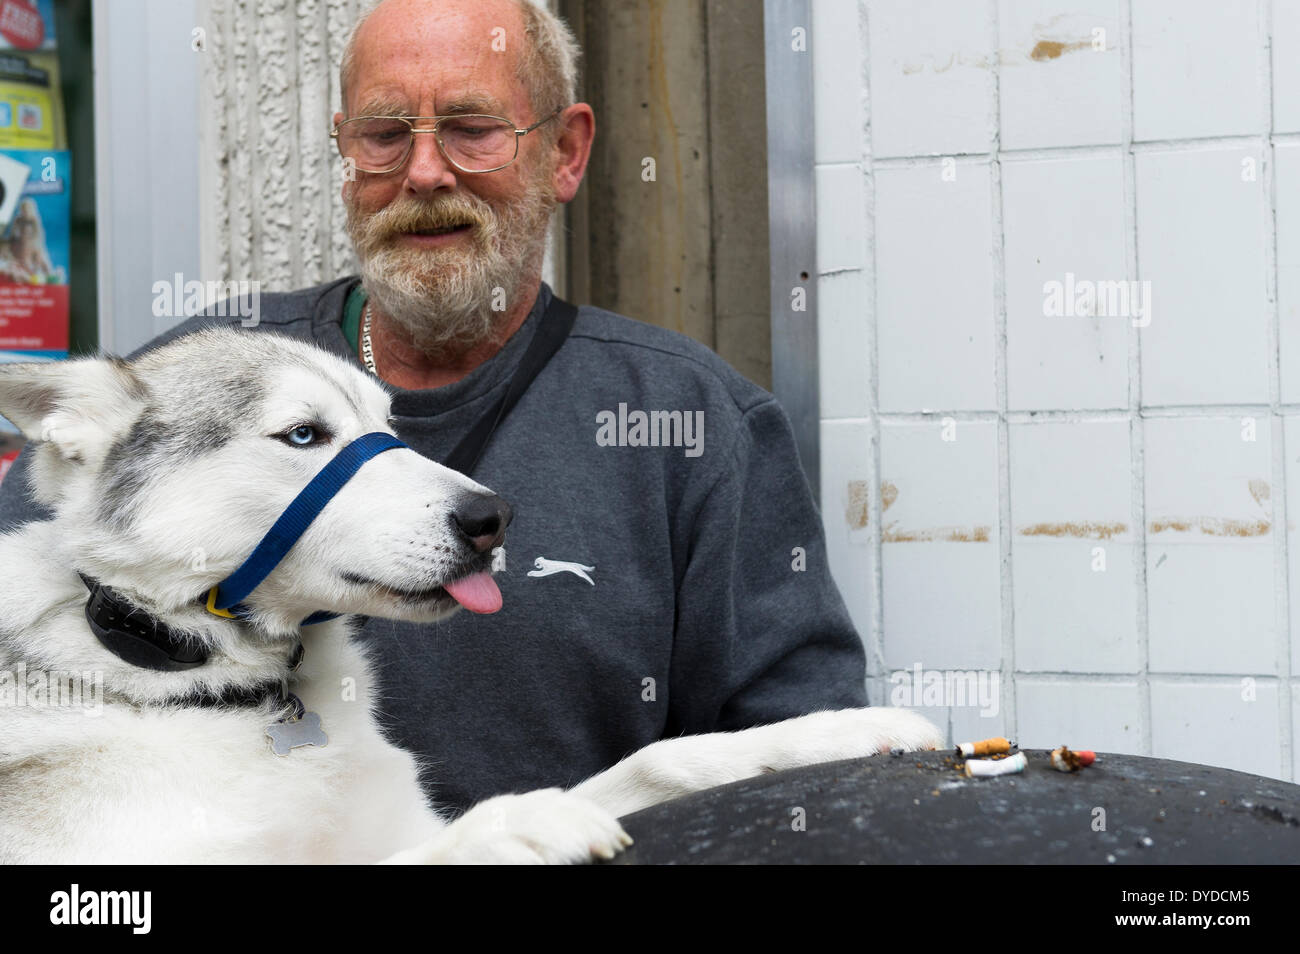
x=1094, y=150
x=1281, y=555
x=1006, y=579
x=1189, y=410
x=1090, y=414
x=876, y=647
x=1229, y=679
x=1137, y=435
x=1206, y=144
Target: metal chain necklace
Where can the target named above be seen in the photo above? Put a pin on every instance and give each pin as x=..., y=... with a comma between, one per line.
x=367, y=352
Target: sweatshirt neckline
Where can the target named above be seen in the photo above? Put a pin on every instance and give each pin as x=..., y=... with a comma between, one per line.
x=429, y=402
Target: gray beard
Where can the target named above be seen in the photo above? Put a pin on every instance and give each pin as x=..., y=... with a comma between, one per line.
x=448, y=301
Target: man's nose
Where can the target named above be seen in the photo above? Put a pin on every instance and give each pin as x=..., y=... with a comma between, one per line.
x=482, y=520
x=427, y=169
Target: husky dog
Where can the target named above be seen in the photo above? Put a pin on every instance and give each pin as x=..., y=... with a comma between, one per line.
x=164, y=473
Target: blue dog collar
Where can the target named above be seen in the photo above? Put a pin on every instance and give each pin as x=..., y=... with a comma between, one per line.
x=226, y=598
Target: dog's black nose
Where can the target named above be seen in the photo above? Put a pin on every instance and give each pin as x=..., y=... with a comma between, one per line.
x=482, y=520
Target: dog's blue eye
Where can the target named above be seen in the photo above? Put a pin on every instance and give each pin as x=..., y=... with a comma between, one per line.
x=305, y=435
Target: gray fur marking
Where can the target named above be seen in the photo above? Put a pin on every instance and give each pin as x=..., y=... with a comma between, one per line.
x=179, y=424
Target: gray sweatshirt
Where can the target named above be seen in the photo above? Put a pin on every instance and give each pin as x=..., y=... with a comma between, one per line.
x=696, y=615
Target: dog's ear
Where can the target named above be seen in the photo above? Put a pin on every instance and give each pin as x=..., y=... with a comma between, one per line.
x=78, y=406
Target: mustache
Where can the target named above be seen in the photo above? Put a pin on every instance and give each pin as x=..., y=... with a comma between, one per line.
x=413, y=215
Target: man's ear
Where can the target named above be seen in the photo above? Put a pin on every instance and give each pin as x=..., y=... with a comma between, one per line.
x=80, y=406
x=573, y=149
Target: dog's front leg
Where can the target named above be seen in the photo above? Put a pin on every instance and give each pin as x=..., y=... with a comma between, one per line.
x=674, y=767
x=548, y=826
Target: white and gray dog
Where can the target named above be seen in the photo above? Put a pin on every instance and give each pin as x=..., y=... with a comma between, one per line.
x=145, y=726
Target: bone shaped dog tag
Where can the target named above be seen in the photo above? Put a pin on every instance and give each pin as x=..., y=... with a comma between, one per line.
x=290, y=735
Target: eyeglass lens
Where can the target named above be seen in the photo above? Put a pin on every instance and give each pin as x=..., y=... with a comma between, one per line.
x=475, y=143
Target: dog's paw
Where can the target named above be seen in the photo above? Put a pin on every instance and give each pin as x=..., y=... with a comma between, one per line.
x=856, y=733
x=902, y=730
x=548, y=826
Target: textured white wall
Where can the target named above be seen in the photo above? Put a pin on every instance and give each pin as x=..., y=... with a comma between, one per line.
x=1107, y=529
x=270, y=172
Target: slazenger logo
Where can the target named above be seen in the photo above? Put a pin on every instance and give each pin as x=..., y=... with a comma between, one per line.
x=103, y=907
x=547, y=567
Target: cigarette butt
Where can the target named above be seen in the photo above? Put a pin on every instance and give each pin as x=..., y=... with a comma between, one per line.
x=1063, y=760
x=994, y=746
x=985, y=768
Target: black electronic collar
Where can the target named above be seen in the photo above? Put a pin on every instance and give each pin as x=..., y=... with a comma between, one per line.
x=140, y=639
x=131, y=634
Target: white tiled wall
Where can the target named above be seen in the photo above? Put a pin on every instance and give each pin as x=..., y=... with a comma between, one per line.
x=1088, y=510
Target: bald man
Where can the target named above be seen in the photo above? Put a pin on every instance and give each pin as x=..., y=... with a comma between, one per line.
x=665, y=572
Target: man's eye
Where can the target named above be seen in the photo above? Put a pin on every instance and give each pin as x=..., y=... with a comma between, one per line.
x=469, y=130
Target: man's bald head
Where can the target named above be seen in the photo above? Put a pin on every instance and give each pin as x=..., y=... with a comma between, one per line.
x=546, y=60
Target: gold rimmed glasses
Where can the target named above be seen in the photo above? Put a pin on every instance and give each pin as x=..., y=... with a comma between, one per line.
x=471, y=142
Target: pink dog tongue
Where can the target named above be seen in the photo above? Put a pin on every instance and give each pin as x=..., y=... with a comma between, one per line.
x=477, y=593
